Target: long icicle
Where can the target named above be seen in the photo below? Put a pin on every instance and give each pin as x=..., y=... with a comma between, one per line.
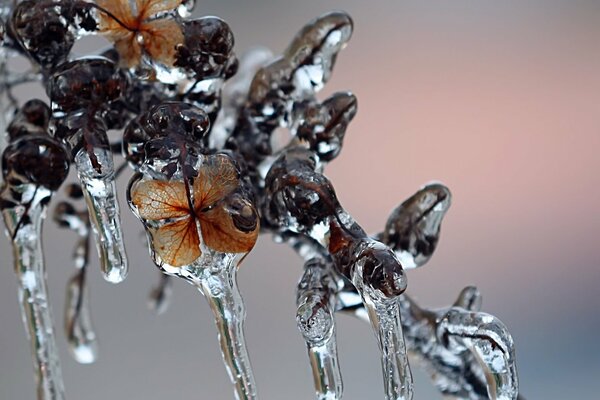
x=384, y=315
x=33, y=291
x=218, y=284
x=81, y=337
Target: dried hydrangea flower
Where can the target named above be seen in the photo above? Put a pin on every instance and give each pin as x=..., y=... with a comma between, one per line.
x=148, y=28
x=228, y=222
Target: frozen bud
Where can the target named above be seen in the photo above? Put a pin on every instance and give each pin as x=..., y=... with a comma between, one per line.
x=413, y=229
x=38, y=160
x=207, y=49
x=85, y=83
x=323, y=126
x=42, y=31
x=31, y=118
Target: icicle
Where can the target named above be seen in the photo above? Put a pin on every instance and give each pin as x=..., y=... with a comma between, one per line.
x=34, y=166
x=218, y=284
x=83, y=344
x=99, y=190
x=379, y=286
x=78, y=122
x=33, y=292
x=316, y=305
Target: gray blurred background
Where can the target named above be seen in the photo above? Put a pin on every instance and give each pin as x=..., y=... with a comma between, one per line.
x=500, y=100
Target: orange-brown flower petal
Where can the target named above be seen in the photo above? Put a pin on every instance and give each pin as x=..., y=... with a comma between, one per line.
x=177, y=243
x=161, y=38
x=217, y=178
x=149, y=8
x=120, y=10
x=156, y=200
x=220, y=233
x=130, y=51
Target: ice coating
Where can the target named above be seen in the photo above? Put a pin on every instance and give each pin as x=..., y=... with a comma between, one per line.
x=285, y=83
x=315, y=319
x=78, y=123
x=33, y=167
x=469, y=354
x=81, y=337
x=304, y=202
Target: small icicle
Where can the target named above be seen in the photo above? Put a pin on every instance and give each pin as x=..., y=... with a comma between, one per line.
x=99, y=190
x=379, y=287
x=79, y=330
x=315, y=318
x=160, y=296
x=34, y=166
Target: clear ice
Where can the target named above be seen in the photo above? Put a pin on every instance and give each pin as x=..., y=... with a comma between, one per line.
x=24, y=225
x=223, y=149
x=99, y=189
x=315, y=316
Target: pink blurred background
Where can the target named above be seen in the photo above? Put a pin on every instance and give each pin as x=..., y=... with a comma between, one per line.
x=500, y=100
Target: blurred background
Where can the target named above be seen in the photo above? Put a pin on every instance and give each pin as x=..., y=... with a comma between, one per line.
x=500, y=100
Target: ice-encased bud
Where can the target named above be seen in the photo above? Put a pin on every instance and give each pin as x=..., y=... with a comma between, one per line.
x=207, y=50
x=299, y=198
x=323, y=126
x=35, y=160
x=162, y=134
x=313, y=51
x=413, y=228
x=82, y=91
x=31, y=117
x=42, y=31
x=314, y=294
x=285, y=83
x=86, y=83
